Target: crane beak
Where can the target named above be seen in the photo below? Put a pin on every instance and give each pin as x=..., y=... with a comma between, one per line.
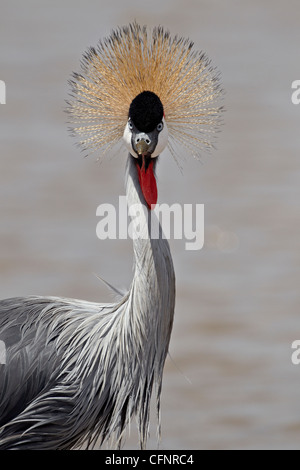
x=142, y=147
x=147, y=179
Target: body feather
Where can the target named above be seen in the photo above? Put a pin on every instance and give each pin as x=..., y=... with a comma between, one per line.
x=77, y=371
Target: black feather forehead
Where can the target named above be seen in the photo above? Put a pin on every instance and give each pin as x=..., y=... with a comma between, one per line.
x=146, y=111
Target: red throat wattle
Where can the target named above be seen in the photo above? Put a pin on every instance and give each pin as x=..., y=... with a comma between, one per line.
x=147, y=183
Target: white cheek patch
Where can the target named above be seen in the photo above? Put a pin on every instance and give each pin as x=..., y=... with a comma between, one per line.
x=127, y=140
x=162, y=140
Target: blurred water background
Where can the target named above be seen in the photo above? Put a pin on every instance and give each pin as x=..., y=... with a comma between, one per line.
x=230, y=382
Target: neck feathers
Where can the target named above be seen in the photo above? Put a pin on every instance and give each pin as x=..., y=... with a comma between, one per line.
x=151, y=301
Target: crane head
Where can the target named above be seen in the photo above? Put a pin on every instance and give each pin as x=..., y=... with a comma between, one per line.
x=146, y=136
x=150, y=90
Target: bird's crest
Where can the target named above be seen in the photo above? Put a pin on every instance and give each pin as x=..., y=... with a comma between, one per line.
x=134, y=59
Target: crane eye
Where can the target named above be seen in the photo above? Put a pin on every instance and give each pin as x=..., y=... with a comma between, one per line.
x=130, y=125
x=160, y=126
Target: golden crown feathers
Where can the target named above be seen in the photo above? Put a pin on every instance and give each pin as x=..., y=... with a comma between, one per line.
x=131, y=60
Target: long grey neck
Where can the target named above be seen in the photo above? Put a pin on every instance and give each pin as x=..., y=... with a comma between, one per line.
x=152, y=293
x=147, y=319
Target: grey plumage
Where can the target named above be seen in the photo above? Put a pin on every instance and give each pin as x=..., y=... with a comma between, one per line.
x=77, y=371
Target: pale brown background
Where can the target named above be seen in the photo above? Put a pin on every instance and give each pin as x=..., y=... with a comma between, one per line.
x=231, y=384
